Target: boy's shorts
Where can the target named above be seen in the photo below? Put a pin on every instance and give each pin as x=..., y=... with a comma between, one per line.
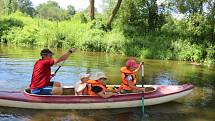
x=43, y=91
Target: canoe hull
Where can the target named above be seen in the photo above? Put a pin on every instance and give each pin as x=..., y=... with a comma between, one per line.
x=65, y=106
x=23, y=100
x=164, y=99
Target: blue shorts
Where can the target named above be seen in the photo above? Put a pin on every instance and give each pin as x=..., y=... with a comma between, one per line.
x=43, y=91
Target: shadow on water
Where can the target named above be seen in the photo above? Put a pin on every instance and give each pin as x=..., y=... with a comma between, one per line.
x=16, y=66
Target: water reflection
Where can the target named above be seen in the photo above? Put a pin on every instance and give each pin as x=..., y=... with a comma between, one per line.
x=163, y=79
x=70, y=115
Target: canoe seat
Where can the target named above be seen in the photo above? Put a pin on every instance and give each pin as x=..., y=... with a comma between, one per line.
x=68, y=91
x=150, y=89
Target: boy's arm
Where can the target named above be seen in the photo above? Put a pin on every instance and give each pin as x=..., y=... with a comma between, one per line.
x=64, y=56
x=136, y=70
x=106, y=95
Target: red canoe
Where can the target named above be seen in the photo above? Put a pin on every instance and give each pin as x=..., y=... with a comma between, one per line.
x=159, y=94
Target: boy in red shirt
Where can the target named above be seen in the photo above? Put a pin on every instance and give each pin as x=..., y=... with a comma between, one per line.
x=40, y=82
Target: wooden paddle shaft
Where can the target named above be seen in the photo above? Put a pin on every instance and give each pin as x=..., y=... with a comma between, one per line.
x=142, y=74
x=59, y=67
x=142, y=70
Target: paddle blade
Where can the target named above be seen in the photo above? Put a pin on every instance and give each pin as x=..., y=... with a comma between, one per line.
x=143, y=104
x=142, y=82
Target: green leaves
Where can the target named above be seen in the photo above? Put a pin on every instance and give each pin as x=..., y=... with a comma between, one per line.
x=52, y=11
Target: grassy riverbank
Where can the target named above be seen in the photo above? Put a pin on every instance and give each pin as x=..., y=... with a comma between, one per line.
x=172, y=42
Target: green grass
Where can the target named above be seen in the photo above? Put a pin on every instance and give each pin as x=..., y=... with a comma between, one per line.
x=88, y=35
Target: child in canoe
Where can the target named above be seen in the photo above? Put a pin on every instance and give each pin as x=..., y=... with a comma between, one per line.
x=98, y=87
x=81, y=86
x=128, y=75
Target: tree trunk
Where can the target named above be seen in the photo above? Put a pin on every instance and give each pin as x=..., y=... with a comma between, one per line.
x=113, y=14
x=92, y=10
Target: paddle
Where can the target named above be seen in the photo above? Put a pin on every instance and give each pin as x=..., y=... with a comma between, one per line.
x=142, y=82
x=59, y=67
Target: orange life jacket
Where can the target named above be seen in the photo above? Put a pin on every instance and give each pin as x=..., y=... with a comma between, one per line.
x=85, y=91
x=124, y=72
x=92, y=84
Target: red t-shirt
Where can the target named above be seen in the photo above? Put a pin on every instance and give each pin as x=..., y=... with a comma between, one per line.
x=41, y=74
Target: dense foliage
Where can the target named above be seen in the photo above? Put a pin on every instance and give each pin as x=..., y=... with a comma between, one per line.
x=141, y=28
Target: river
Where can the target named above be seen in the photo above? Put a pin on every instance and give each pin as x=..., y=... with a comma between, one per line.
x=16, y=64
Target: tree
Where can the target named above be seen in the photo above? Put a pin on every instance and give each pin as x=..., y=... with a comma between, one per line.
x=189, y=6
x=10, y=6
x=71, y=10
x=141, y=16
x=152, y=14
x=108, y=6
x=113, y=14
x=25, y=6
x=92, y=10
x=51, y=11
x=194, y=10
x=2, y=7
x=211, y=21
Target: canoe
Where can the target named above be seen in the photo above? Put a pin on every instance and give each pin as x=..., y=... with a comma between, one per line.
x=154, y=94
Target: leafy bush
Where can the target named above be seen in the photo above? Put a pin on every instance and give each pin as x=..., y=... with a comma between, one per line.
x=184, y=50
x=21, y=36
x=6, y=24
x=178, y=40
x=210, y=58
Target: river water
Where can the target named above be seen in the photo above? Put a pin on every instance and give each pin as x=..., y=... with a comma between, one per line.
x=16, y=64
